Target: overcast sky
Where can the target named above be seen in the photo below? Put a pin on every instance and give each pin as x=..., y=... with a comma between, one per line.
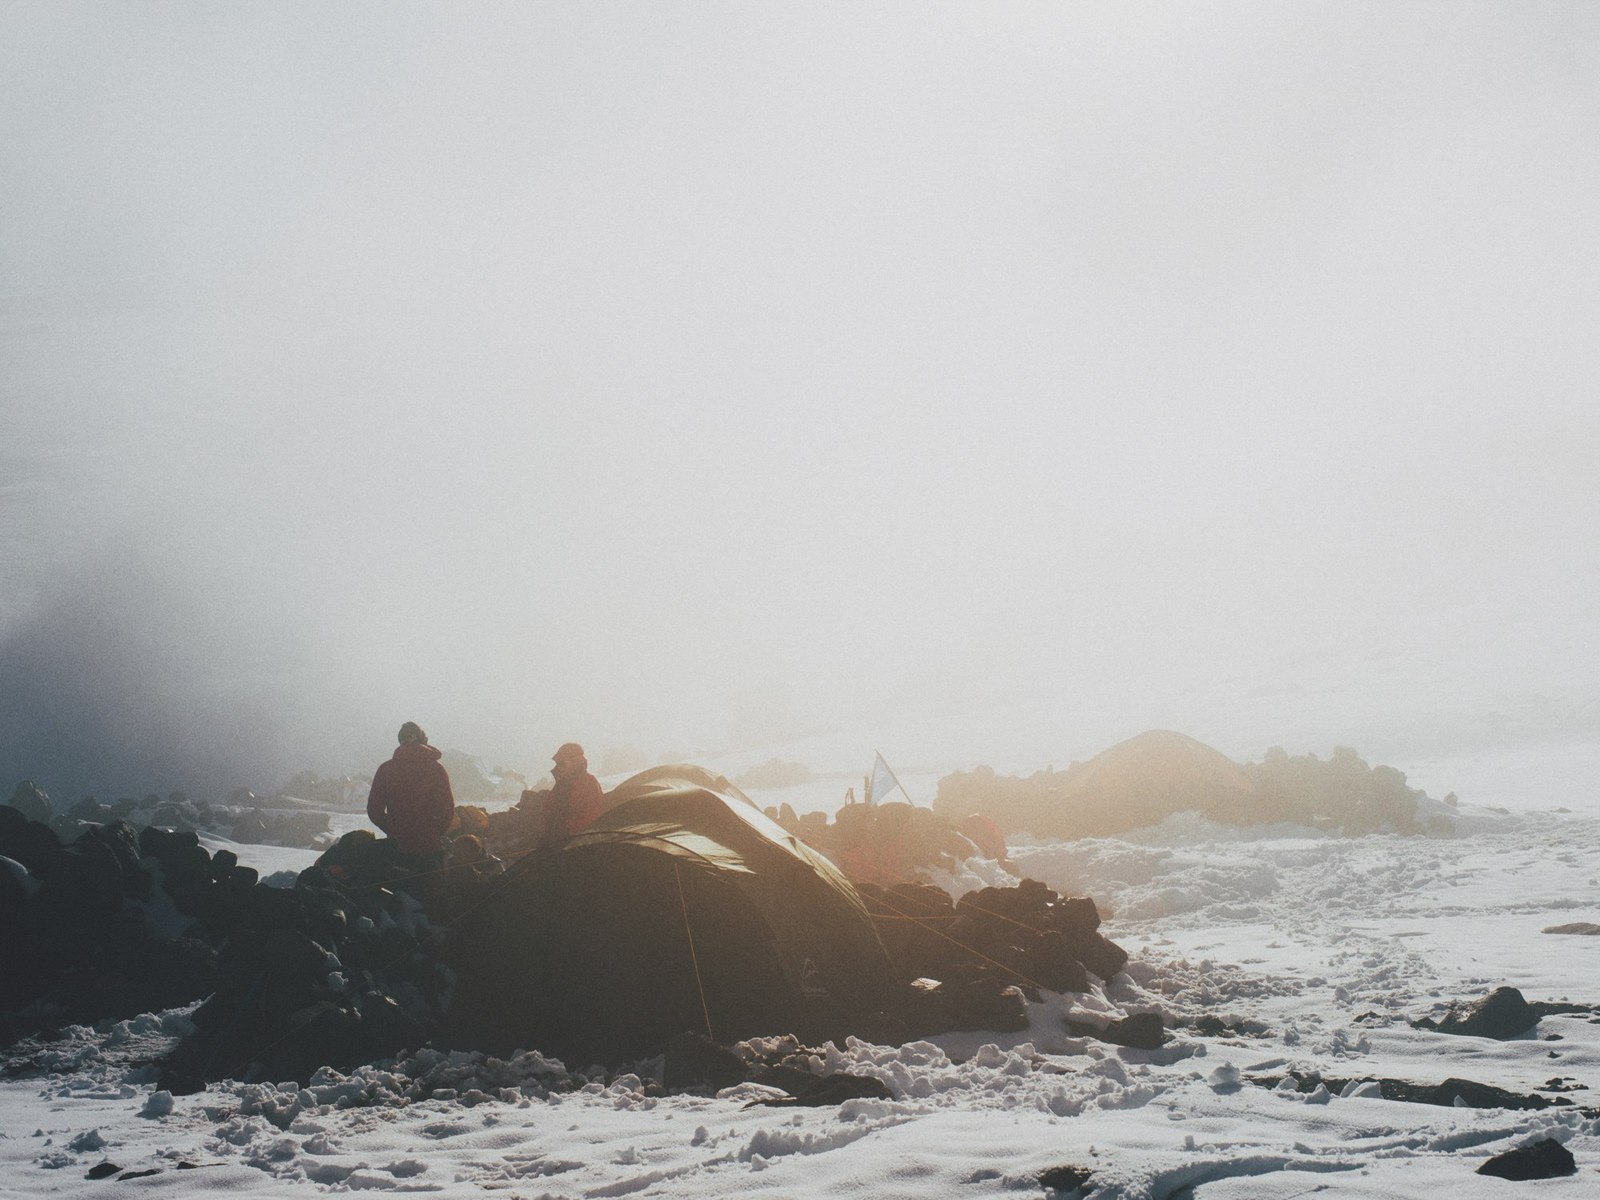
x=688, y=375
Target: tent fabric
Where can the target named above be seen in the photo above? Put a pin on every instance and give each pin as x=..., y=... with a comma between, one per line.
x=651, y=781
x=683, y=908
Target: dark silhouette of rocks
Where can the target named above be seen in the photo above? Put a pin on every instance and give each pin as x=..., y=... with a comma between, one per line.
x=973, y=963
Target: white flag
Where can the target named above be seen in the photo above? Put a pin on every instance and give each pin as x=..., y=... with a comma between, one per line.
x=884, y=782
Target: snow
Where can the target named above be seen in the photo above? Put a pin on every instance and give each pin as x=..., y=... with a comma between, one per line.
x=1312, y=950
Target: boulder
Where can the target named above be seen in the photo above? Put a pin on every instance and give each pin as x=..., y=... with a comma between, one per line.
x=30, y=800
x=1053, y=964
x=17, y=886
x=1502, y=1014
x=222, y=864
x=166, y=844
x=30, y=842
x=116, y=849
x=1076, y=915
x=1100, y=954
x=785, y=1078
x=830, y=1089
x=1547, y=1159
x=985, y=1003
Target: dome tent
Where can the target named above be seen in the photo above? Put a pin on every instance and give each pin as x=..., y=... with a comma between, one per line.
x=683, y=908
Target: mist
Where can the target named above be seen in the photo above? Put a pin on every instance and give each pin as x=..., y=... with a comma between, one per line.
x=706, y=377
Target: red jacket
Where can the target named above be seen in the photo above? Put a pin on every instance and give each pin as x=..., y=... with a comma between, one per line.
x=411, y=801
x=574, y=805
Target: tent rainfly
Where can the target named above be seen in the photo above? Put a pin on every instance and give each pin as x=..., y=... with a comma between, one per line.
x=683, y=908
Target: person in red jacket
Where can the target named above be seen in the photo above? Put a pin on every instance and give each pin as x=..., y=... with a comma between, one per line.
x=411, y=801
x=576, y=799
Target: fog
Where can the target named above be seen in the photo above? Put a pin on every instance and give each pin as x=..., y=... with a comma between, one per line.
x=696, y=377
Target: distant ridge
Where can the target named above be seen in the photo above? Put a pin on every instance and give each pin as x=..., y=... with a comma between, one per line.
x=1156, y=774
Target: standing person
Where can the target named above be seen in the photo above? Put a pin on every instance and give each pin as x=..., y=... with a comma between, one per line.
x=411, y=801
x=576, y=799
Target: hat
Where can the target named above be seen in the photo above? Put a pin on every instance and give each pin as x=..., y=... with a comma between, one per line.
x=568, y=753
x=411, y=735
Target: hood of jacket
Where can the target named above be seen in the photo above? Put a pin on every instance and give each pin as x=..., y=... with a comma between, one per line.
x=419, y=753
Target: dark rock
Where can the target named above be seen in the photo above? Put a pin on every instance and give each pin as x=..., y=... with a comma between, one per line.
x=1446, y=1094
x=82, y=890
x=880, y=1028
x=1065, y=1178
x=1051, y=962
x=164, y=973
x=921, y=900
x=31, y=843
x=179, y=1083
x=995, y=913
x=1474, y=1095
x=115, y=847
x=1561, y=1008
x=1583, y=928
x=387, y=1028
x=222, y=864
x=1075, y=915
x=913, y=920
x=830, y=1089
x=1142, y=1031
x=295, y=968
x=166, y=844
x=103, y=1170
x=1502, y=1014
x=790, y=1079
x=694, y=1060
x=1102, y=956
x=30, y=800
x=138, y=1174
x=1563, y=1083
x=985, y=1003
x=927, y=1007
x=1547, y=1159
x=16, y=885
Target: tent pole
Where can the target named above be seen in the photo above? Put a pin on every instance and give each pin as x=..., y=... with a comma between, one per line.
x=693, y=957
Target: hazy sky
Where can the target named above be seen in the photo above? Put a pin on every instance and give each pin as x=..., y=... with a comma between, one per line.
x=683, y=375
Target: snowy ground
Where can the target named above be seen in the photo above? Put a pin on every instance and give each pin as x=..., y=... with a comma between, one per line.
x=1314, y=949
